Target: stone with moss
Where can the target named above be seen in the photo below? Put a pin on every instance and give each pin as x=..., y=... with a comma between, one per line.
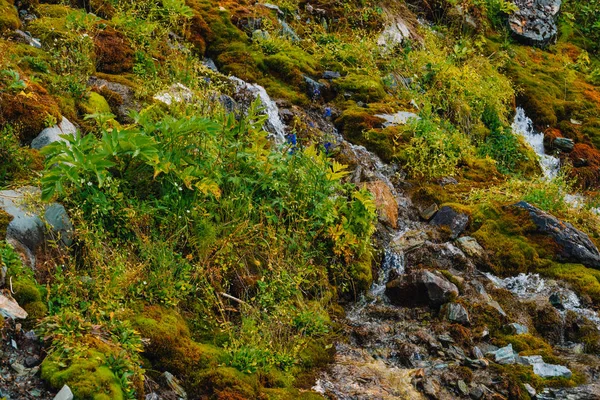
x=9, y=18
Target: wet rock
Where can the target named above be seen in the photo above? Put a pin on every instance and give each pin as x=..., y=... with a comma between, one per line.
x=556, y=301
x=563, y=144
x=455, y=221
x=583, y=392
x=385, y=201
x=477, y=353
x=11, y=309
x=421, y=288
x=210, y=64
x=27, y=38
x=32, y=361
x=535, y=21
x=574, y=245
x=516, y=329
x=457, y=313
x=529, y=360
x=52, y=134
x=504, y=355
x=64, y=394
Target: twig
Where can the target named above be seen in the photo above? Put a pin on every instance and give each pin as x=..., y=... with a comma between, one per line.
x=230, y=297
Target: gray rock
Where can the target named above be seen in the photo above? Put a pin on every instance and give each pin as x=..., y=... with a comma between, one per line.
x=477, y=353
x=399, y=118
x=152, y=396
x=19, y=368
x=314, y=89
x=563, y=144
x=574, y=245
x=476, y=393
x=32, y=361
x=457, y=313
x=210, y=64
x=530, y=360
x=470, y=247
x=420, y=288
x=228, y=103
x=428, y=212
x=177, y=93
x=504, y=355
x=51, y=135
x=175, y=385
x=530, y=390
x=27, y=38
x=10, y=309
x=331, y=75
x=535, y=21
x=516, y=329
x=288, y=32
x=544, y=370
x=64, y=394
x=27, y=231
x=457, y=222
x=125, y=94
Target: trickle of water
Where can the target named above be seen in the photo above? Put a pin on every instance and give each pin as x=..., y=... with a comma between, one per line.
x=392, y=261
x=523, y=126
x=274, y=124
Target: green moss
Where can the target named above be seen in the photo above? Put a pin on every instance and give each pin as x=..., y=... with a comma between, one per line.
x=584, y=280
x=362, y=87
x=170, y=346
x=57, y=11
x=5, y=220
x=26, y=292
x=224, y=383
x=361, y=274
x=36, y=310
x=85, y=373
x=95, y=103
x=9, y=18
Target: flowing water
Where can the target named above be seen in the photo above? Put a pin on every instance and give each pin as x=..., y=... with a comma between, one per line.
x=532, y=287
x=274, y=124
x=522, y=125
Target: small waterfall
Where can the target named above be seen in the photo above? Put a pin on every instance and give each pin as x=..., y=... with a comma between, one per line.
x=534, y=287
x=523, y=126
x=274, y=124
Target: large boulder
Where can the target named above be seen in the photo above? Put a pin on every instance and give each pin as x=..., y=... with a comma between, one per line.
x=535, y=21
x=420, y=288
x=10, y=309
x=573, y=245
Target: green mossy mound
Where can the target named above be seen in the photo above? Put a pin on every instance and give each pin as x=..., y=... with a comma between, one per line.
x=9, y=18
x=5, y=219
x=170, y=346
x=86, y=373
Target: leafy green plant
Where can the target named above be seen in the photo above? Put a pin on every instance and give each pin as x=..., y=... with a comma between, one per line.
x=13, y=80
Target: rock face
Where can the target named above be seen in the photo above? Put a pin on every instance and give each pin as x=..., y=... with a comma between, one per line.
x=421, y=288
x=535, y=21
x=387, y=206
x=51, y=135
x=574, y=245
x=26, y=230
x=457, y=222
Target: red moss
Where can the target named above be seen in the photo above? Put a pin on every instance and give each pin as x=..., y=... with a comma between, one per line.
x=28, y=111
x=114, y=54
x=586, y=160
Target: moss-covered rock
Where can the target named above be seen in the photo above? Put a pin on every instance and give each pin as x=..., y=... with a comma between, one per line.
x=362, y=87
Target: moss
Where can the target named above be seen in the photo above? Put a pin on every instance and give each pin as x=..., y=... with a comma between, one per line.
x=85, y=373
x=28, y=112
x=114, y=54
x=361, y=274
x=5, y=220
x=53, y=10
x=528, y=345
x=170, y=346
x=26, y=292
x=36, y=310
x=223, y=383
x=362, y=87
x=584, y=280
x=9, y=18
x=95, y=103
